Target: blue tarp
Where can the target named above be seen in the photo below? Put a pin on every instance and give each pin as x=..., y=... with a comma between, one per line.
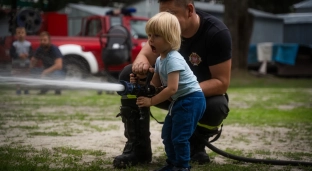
x=283, y=53
x=252, y=54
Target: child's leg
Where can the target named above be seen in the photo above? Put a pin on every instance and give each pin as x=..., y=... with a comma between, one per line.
x=167, y=140
x=182, y=129
x=18, y=89
x=14, y=74
x=185, y=115
x=26, y=88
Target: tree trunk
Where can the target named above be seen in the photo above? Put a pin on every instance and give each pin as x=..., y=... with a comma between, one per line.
x=240, y=23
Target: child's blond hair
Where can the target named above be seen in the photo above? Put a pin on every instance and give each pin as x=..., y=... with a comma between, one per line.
x=167, y=26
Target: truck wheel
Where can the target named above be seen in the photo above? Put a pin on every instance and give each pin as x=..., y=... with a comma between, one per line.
x=75, y=70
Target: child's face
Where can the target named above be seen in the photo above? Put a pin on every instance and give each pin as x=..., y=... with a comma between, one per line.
x=158, y=44
x=20, y=34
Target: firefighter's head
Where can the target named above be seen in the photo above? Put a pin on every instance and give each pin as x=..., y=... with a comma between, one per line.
x=184, y=10
x=20, y=33
x=45, y=40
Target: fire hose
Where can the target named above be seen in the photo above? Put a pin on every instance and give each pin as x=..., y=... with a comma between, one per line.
x=147, y=90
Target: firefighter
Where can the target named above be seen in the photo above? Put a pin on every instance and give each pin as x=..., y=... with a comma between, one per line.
x=206, y=46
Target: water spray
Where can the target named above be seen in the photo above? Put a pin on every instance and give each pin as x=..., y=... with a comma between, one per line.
x=68, y=84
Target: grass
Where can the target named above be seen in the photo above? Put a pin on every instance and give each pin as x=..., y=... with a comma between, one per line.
x=283, y=104
x=53, y=133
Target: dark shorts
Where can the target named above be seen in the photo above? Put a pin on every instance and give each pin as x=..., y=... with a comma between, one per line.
x=20, y=68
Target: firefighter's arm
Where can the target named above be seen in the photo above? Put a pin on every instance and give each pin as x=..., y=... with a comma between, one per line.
x=57, y=66
x=145, y=59
x=33, y=62
x=220, y=79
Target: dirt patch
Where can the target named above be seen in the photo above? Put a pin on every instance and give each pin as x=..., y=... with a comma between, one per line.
x=90, y=133
x=111, y=141
x=69, y=109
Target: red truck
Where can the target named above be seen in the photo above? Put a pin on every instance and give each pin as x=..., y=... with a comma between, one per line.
x=83, y=53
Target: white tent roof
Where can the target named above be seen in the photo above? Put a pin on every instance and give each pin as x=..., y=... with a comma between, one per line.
x=92, y=9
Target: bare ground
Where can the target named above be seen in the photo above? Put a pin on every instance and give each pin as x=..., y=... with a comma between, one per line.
x=107, y=136
x=110, y=138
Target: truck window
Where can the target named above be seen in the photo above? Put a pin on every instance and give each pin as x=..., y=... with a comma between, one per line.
x=115, y=20
x=138, y=29
x=94, y=27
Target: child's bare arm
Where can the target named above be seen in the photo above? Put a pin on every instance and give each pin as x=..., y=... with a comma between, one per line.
x=171, y=89
x=33, y=62
x=156, y=80
x=13, y=53
x=165, y=94
x=30, y=52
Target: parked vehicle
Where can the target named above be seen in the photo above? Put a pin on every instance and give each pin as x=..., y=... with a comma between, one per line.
x=83, y=53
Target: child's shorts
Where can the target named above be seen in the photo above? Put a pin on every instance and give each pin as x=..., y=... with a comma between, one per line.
x=20, y=67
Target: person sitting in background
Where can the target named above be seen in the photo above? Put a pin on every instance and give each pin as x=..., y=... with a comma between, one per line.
x=52, y=60
x=20, y=53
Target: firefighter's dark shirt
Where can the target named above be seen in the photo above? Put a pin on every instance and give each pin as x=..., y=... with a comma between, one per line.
x=211, y=45
x=48, y=56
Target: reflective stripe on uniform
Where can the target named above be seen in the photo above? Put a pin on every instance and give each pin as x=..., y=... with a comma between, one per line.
x=129, y=96
x=209, y=127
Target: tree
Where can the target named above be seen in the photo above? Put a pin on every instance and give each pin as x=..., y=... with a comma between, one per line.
x=240, y=24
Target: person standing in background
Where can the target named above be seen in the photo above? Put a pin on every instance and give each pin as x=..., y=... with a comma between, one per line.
x=20, y=52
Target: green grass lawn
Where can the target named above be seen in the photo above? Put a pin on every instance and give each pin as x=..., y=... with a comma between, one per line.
x=275, y=112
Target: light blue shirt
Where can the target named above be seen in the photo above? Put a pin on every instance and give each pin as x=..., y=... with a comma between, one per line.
x=22, y=47
x=174, y=61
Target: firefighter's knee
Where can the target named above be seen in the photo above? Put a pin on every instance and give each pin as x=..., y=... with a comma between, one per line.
x=125, y=73
x=216, y=111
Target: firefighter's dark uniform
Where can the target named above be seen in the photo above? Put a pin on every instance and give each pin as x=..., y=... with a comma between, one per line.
x=211, y=45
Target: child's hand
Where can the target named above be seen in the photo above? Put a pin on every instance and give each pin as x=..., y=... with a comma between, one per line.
x=152, y=70
x=23, y=56
x=133, y=78
x=144, y=101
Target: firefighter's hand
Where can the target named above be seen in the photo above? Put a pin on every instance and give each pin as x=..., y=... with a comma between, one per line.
x=140, y=68
x=135, y=78
x=144, y=101
x=45, y=73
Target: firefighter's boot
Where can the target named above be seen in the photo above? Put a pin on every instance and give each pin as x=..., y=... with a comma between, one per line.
x=198, y=152
x=138, y=146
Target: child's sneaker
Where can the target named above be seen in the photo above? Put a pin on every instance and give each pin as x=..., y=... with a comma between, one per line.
x=18, y=92
x=58, y=92
x=26, y=92
x=42, y=92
